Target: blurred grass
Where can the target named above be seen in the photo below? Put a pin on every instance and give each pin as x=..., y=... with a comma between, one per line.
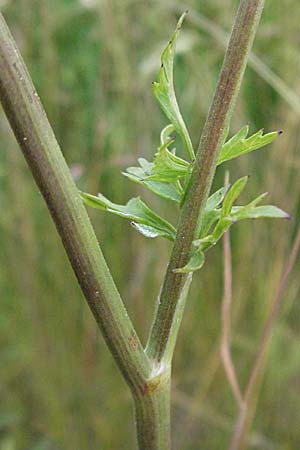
x=93, y=62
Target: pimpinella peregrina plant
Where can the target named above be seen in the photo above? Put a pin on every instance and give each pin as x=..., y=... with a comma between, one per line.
x=168, y=174
x=202, y=219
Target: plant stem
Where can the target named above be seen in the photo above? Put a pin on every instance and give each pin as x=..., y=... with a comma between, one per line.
x=41, y=150
x=152, y=410
x=163, y=331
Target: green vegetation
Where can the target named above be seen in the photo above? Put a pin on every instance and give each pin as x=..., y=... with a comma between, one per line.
x=60, y=389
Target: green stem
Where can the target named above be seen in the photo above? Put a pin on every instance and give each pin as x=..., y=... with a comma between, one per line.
x=37, y=141
x=152, y=409
x=240, y=43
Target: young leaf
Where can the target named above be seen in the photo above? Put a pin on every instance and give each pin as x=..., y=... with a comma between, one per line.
x=195, y=263
x=264, y=211
x=252, y=211
x=257, y=200
x=162, y=175
x=209, y=218
x=164, y=92
x=167, y=166
x=239, y=144
x=223, y=224
x=135, y=210
x=141, y=175
x=232, y=195
x=166, y=190
x=226, y=218
x=165, y=134
x=211, y=214
x=149, y=231
x=216, y=199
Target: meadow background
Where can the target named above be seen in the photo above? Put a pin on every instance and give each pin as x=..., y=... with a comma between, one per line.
x=93, y=62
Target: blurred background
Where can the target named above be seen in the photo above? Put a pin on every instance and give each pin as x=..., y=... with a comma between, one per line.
x=92, y=62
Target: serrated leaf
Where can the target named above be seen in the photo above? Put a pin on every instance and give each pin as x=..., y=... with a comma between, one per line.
x=167, y=166
x=164, y=92
x=233, y=193
x=195, y=263
x=229, y=214
x=166, y=190
x=135, y=210
x=264, y=211
x=239, y=144
x=141, y=175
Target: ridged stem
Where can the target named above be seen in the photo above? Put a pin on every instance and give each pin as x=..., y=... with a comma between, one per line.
x=152, y=410
x=47, y=164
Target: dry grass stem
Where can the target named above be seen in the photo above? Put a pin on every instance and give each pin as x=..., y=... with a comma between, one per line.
x=226, y=317
x=244, y=420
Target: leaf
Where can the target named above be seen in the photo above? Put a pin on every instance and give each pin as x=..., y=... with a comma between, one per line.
x=162, y=175
x=142, y=176
x=164, y=92
x=195, y=263
x=226, y=218
x=204, y=243
x=229, y=214
x=134, y=210
x=257, y=200
x=169, y=191
x=146, y=166
x=222, y=216
x=167, y=166
x=252, y=211
x=211, y=214
x=149, y=232
x=216, y=198
x=165, y=190
x=239, y=144
x=165, y=133
x=265, y=211
x=208, y=219
x=232, y=195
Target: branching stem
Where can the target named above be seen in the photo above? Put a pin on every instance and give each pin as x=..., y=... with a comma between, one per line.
x=148, y=373
x=240, y=43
